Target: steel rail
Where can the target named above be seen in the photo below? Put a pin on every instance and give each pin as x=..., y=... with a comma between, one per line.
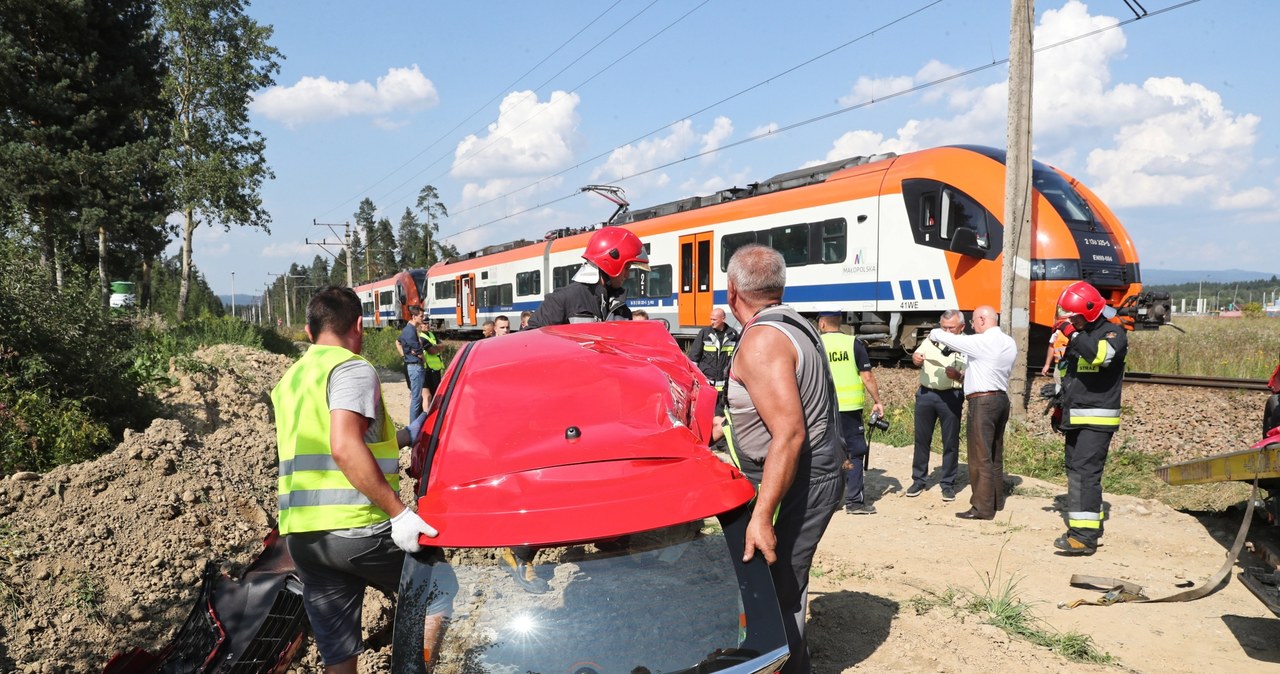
x=1196, y=381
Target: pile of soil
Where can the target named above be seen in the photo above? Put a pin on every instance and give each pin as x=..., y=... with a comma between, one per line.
x=99, y=557
x=106, y=555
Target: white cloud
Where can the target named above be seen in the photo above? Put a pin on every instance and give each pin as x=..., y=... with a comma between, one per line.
x=764, y=130
x=720, y=131
x=529, y=138
x=1162, y=142
x=320, y=98
x=630, y=160
x=291, y=249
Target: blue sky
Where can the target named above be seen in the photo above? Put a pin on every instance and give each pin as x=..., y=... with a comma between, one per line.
x=510, y=107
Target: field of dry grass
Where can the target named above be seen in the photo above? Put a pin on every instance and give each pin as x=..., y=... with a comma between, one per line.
x=1218, y=347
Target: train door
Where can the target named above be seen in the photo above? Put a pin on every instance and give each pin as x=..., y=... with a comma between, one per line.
x=696, y=294
x=465, y=291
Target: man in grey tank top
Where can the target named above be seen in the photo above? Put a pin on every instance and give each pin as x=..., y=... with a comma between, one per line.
x=783, y=433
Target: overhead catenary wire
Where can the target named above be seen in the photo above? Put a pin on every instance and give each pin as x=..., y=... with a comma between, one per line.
x=491, y=141
x=705, y=108
x=862, y=104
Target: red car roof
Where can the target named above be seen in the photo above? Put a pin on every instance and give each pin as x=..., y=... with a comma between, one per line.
x=571, y=433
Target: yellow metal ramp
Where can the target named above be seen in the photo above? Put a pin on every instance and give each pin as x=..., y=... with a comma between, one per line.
x=1262, y=463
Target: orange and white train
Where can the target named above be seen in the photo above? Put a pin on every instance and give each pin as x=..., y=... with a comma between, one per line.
x=889, y=240
x=386, y=302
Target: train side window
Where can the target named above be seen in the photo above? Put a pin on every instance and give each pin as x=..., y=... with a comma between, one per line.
x=401, y=294
x=445, y=290
x=366, y=308
x=686, y=267
x=529, y=282
x=793, y=242
x=730, y=243
x=942, y=216
x=384, y=298
x=655, y=283
x=560, y=276
x=834, y=242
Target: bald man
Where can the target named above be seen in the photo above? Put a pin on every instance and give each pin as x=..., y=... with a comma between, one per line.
x=712, y=350
x=990, y=355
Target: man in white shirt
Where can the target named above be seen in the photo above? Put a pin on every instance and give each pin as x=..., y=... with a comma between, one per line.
x=990, y=354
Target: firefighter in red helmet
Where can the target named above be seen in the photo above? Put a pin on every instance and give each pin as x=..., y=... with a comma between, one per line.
x=596, y=292
x=1092, y=372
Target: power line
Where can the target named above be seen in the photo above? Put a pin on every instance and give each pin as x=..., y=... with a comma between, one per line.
x=491, y=141
x=477, y=111
x=695, y=113
x=857, y=106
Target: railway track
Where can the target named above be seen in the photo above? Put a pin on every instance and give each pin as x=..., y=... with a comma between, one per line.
x=1196, y=381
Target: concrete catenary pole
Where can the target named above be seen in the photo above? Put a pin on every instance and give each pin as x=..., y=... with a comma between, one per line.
x=1016, y=273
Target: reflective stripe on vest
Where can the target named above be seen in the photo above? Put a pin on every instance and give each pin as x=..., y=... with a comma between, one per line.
x=1093, y=417
x=312, y=492
x=432, y=361
x=850, y=393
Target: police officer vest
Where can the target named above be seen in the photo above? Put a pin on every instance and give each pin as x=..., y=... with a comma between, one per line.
x=312, y=492
x=431, y=361
x=850, y=393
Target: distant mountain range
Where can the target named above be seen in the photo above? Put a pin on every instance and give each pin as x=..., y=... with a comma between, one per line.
x=1168, y=277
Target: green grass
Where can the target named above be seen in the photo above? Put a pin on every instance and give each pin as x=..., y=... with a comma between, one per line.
x=1000, y=604
x=86, y=596
x=1043, y=456
x=1246, y=347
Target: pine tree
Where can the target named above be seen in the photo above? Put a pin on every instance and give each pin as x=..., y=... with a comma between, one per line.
x=412, y=253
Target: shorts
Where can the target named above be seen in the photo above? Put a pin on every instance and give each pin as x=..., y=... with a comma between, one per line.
x=335, y=572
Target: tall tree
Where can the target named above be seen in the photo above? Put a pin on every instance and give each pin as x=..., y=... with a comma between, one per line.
x=318, y=273
x=218, y=57
x=79, y=148
x=383, y=246
x=365, y=215
x=413, y=254
x=433, y=211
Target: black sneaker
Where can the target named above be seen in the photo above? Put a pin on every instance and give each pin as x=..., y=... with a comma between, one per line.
x=523, y=573
x=915, y=490
x=859, y=509
x=948, y=494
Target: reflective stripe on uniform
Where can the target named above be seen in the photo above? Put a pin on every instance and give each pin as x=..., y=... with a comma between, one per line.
x=1084, y=520
x=1093, y=417
x=1105, y=354
x=325, y=462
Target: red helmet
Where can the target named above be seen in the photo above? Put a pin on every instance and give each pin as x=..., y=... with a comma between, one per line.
x=1083, y=299
x=612, y=248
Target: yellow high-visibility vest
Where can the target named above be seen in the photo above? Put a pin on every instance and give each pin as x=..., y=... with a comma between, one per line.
x=850, y=393
x=312, y=492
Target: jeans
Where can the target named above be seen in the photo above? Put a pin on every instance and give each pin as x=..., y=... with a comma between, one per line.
x=416, y=379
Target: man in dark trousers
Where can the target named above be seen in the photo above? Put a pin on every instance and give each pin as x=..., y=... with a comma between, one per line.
x=939, y=402
x=596, y=292
x=340, y=510
x=712, y=350
x=851, y=372
x=783, y=432
x=1090, y=413
x=990, y=354
x=410, y=347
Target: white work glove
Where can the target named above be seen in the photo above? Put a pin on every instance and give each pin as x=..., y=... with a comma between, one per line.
x=405, y=528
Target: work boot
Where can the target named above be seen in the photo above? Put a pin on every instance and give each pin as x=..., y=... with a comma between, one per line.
x=523, y=573
x=1070, y=545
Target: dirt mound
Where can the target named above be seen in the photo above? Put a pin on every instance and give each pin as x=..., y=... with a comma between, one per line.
x=104, y=555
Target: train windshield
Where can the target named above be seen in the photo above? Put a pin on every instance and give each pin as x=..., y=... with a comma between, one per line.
x=1071, y=207
x=419, y=281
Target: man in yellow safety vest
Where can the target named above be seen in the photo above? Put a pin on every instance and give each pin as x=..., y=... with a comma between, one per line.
x=851, y=372
x=340, y=510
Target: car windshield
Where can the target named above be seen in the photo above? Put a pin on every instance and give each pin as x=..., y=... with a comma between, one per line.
x=667, y=600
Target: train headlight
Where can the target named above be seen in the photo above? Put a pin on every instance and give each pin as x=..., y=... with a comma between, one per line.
x=1055, y=270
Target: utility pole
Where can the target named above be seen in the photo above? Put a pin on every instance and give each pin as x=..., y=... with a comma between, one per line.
x=233, y=294
x=288, y=297
x=1015, y=282
x=345, y=243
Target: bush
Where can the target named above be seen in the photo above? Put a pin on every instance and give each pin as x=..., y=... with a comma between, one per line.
x=157, y=343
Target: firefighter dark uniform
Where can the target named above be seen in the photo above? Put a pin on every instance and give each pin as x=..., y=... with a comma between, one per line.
x=582, y=303
x=712, y=350
x=1092, y=373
